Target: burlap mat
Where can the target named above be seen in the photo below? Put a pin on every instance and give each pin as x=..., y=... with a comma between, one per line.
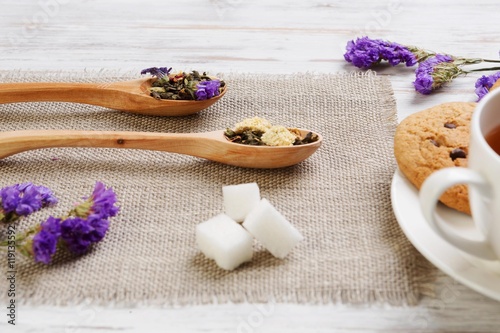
x=354, y=250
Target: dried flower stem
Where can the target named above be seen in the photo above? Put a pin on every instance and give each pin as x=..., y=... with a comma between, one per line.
x=482, y=69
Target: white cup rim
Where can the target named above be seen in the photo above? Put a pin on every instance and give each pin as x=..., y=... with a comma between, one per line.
x=476, y=121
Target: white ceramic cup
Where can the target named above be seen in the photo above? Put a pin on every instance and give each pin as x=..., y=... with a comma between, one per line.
x=482, y=176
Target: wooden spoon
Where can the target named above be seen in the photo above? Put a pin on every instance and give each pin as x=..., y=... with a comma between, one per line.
x=210, y=145
x=131, y=96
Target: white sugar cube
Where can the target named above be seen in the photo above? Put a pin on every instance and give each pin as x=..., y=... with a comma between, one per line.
x=239, y=200
x=224, y=240
x=272, y=229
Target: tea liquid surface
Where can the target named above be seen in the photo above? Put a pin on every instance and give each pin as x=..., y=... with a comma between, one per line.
x=493, y=139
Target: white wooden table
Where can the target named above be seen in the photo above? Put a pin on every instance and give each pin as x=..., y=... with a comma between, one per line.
x=253, y=36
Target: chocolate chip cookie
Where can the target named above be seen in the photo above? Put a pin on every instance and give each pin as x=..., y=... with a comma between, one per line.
x=433, y=139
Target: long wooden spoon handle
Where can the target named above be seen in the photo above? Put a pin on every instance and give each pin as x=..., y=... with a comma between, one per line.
x=208, y=145
x=197, y=144
x=88, y=93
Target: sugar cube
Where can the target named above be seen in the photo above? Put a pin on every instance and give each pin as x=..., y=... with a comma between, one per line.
x=240, y=199
x=224, y=240
x=272, y=229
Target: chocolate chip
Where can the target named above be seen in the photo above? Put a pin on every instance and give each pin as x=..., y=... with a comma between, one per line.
x=434, y=143
x=457, y=153
x=120, y=141
x=450, y=125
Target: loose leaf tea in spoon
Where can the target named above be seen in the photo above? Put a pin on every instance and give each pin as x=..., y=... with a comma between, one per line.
x=259, y=132
x=183, y=86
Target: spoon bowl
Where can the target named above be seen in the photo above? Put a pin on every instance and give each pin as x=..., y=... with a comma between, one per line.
x=130, y=96
x=209, y=145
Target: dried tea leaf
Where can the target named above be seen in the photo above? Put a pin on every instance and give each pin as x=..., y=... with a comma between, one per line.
x=309, y=138
x=156, y=95
x=252, y=137
x=182, y=86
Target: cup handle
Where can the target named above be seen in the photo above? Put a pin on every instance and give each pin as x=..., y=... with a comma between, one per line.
x=432, y=189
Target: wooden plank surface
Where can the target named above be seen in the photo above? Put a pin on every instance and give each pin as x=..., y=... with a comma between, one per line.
x=253, y=36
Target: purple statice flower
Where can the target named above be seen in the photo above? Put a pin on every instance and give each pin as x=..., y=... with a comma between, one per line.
x=89, y=221
x=103, y=201
x=81, y=227
x=74, y=234
x=10, y=198
x=48, y=198
x=78, y=234
x=366, y=52
x=30, y=201
x=99, y=227
x=432, y=73
x=159, y=72
x=207, y=89
x=24, y=199
x=45, y=241
x=484, y=84
x=44, y=246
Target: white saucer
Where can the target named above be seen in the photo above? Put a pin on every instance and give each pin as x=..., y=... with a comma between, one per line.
x=480, y=275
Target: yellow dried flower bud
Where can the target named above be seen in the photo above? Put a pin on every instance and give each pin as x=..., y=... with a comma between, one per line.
x=157, y=89
x=254, y=124
x=278, y=136
x=296, y=132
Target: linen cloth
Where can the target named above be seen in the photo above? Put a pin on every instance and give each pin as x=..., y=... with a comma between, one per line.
x=339, y=199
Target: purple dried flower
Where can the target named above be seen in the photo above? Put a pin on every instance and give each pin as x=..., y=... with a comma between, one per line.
x=44, y=246
x=29, y=202
x=48, y=198
x=24, y=199
x=103, y=201
x=52, y=225
x=159, y=72
x=99, y=227
x=207, y=89
x=78, y=233
x=74, y=234
x=432, y=73
x=484, y=84
x=84, y=225
x=10, y=198
x=365, y=52
x=45, y=241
